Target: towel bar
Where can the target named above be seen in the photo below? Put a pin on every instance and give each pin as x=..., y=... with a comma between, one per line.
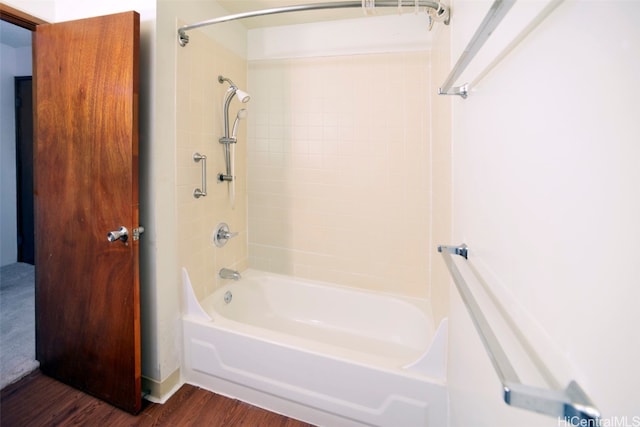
x=570, y=403
x=498, y=10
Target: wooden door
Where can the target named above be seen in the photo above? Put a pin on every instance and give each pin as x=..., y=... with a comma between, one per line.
x=86, y=185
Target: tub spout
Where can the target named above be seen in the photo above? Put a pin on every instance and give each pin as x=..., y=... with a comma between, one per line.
x=227, y=273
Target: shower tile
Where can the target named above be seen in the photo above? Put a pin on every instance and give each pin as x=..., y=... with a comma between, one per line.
x=199, y=124
x=262, y=131
x=351, y=143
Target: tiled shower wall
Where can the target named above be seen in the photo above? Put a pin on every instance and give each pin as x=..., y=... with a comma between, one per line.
x=339, y=176
x=199, y=126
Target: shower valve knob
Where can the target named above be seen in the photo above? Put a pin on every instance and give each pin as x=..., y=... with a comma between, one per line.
x=226, y=235
x=222, y=234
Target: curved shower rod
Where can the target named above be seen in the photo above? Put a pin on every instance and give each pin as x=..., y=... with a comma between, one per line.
x=441, y=12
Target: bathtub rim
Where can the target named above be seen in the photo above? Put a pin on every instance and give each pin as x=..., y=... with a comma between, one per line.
x=423, y=304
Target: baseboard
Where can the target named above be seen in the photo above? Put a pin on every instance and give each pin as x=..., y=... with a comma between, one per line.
x=160, y=392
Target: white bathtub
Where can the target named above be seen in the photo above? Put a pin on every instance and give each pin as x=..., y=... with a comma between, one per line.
x=325, y=354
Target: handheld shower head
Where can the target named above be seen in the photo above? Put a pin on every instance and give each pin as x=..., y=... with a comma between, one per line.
x=241, y=115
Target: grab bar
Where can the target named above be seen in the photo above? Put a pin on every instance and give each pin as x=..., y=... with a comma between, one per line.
x=498, y=10
x=571, y=403
x=197, y=193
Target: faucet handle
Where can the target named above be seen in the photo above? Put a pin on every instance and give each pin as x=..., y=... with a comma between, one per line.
x=226, y=235
x=222, y=234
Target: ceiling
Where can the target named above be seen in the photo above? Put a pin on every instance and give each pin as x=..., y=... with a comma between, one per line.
x=14, y=36
x=303, y=17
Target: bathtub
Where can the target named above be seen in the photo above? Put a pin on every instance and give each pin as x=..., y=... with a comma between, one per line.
x=321, y=353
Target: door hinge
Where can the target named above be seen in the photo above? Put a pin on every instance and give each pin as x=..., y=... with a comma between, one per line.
x=137, y=232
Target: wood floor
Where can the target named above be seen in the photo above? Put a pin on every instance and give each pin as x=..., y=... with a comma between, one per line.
x=38, y=400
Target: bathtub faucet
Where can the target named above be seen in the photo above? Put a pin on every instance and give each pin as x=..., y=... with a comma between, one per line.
x=227, y=273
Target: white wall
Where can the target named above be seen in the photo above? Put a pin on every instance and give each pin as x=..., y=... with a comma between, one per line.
x=546, y=185
x=13, y=62
x=374, y=34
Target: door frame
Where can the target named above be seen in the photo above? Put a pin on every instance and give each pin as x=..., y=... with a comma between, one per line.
x=19, y=18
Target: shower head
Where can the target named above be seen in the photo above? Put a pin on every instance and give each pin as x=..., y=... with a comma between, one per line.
x=241, y=115
x=233, y=90
x=243, y=96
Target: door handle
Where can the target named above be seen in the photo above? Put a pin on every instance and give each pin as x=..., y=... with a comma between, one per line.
x=122, y=234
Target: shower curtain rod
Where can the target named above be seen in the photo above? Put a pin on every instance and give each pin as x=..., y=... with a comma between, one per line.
x=441, y=12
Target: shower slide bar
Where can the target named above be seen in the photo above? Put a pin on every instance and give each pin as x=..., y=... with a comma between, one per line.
x=571, y=403
x=441, y=12
x=492, y=19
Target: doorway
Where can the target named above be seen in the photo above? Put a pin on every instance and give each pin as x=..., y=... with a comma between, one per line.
x=17, y=178
x=17, y=281
x=24, y=169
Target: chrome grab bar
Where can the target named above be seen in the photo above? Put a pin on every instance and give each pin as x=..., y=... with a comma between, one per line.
x=197, y=193
x=498, y=10
x=571, y=403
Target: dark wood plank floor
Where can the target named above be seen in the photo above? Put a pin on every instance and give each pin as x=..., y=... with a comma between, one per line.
x=38, y=400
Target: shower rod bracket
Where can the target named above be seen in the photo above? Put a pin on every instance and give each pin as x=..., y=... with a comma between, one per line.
x=183, y=38
x=462, y=91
